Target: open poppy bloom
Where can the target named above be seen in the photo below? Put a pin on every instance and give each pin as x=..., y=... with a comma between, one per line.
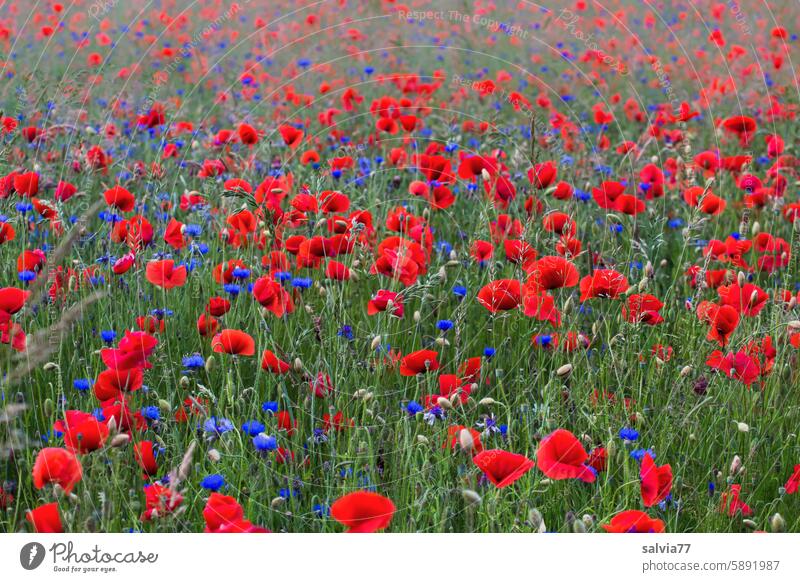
x=501, y=295
x=120, y=198
x=603, y=283
x=45, y=519
x=562, y=456
x=54, y=465
x=656, y=481
x=164, y=274
x=633, y=521
x=502, y=467
x=271, y=363
x=235, y=342
x=82, y=432
x=363, y=512
x=419, y=362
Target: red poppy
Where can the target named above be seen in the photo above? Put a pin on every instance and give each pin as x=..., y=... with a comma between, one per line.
x=133, y=351
x=363, y=511
x=748, y=299
x=794, y=481
x=501, y=295
x=120, y=198
x=45, y=519
x=164, y=274
x=633, y=521
x=722, y=319
x=271, y=295
x=656, y=481
x=271, y=363
x=11, y=301
x=731, y=504
x=27, y=184
x=380, y=303
x=233, y=341
x=502, y=467
x=159, y=501
x=552, y=272
x=207, y=325
x=740, y=366
x=83, y=433
x=603, y=283
x=144, y=454
x=454, y=438
x=111, y=383
x=54, y=465
x=562, y=456
x=419, y=362
x=643, y=308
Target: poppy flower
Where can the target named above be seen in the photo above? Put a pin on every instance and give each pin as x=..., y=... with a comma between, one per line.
x=27, y=184
x=643, y=308
x=561, y=456
x=164, y=274
x=730, y=503
x=454, y=438
x=207, y=325
x=363, y=512
x=722, y=319
x=552, y=272
x=83, y=433
x=501, y=295
x=159, y=501
x=45, y=519
x=144, y=453
x=419, y=362
x=11, y=301
x=120, y=198
x=748, y=299
x=235, y=342
x=221, y=510
x=133, y=351
x=739, y=366
x=272, y=296
x=502, y=467
x=794, y=481
x=112, y=383
x=656, y=482
x=54, y=465
x=633, y=521
x=380, y=303
x=606, y=283
x=271, y=363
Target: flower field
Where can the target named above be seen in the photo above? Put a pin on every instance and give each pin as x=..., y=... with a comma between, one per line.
x=347, y=266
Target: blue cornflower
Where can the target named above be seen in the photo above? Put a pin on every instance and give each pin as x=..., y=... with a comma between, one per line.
x=414, y=407
x=108, y=335
x=217, y=425
x=460, y=291
x=193, y=362
x=27, y=276
x=213, y=482
x=239, y=273
x=271, y=407
x=302, y=282
x=628, y=434
x=346, y=332
x=82, y=384
x=253, y=427
x=151, y=413
x=444, y=324
x=264, y=442
x=231, y=289
x=489, y=352
x=639, y=454
x=281, y=276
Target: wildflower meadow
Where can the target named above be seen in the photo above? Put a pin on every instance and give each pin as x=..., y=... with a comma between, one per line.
x=359, y=266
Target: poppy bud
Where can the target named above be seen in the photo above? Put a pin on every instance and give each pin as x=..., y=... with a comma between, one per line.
x=485, y=174
x=564, y=370
x=184, y=381
x=50, y=366
x=756, y=228
x=309, y=309
x=663, y=263
x=649, y=270
x=470, y=496
x=440, y=341
x=120, y=440
x=736, y=466
x=588, y=521
x=578, y=526
x=777, y=524
x=792, y=302
x=685, y=371
x=444, y=403
x=214, y=455
x=277, y=502
x=742, y=427
x=164, y=406
x=741, y=279
x=422, y=439
x=452, y=264
x=49, y=407
x=537, y=521
x=568, y=305
x=794, y=324
x=465, y=440
x=298, y=365
x=376, y=341
x=417, y=316
x=453, y=256
x=209, y=364
x=749, y=524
